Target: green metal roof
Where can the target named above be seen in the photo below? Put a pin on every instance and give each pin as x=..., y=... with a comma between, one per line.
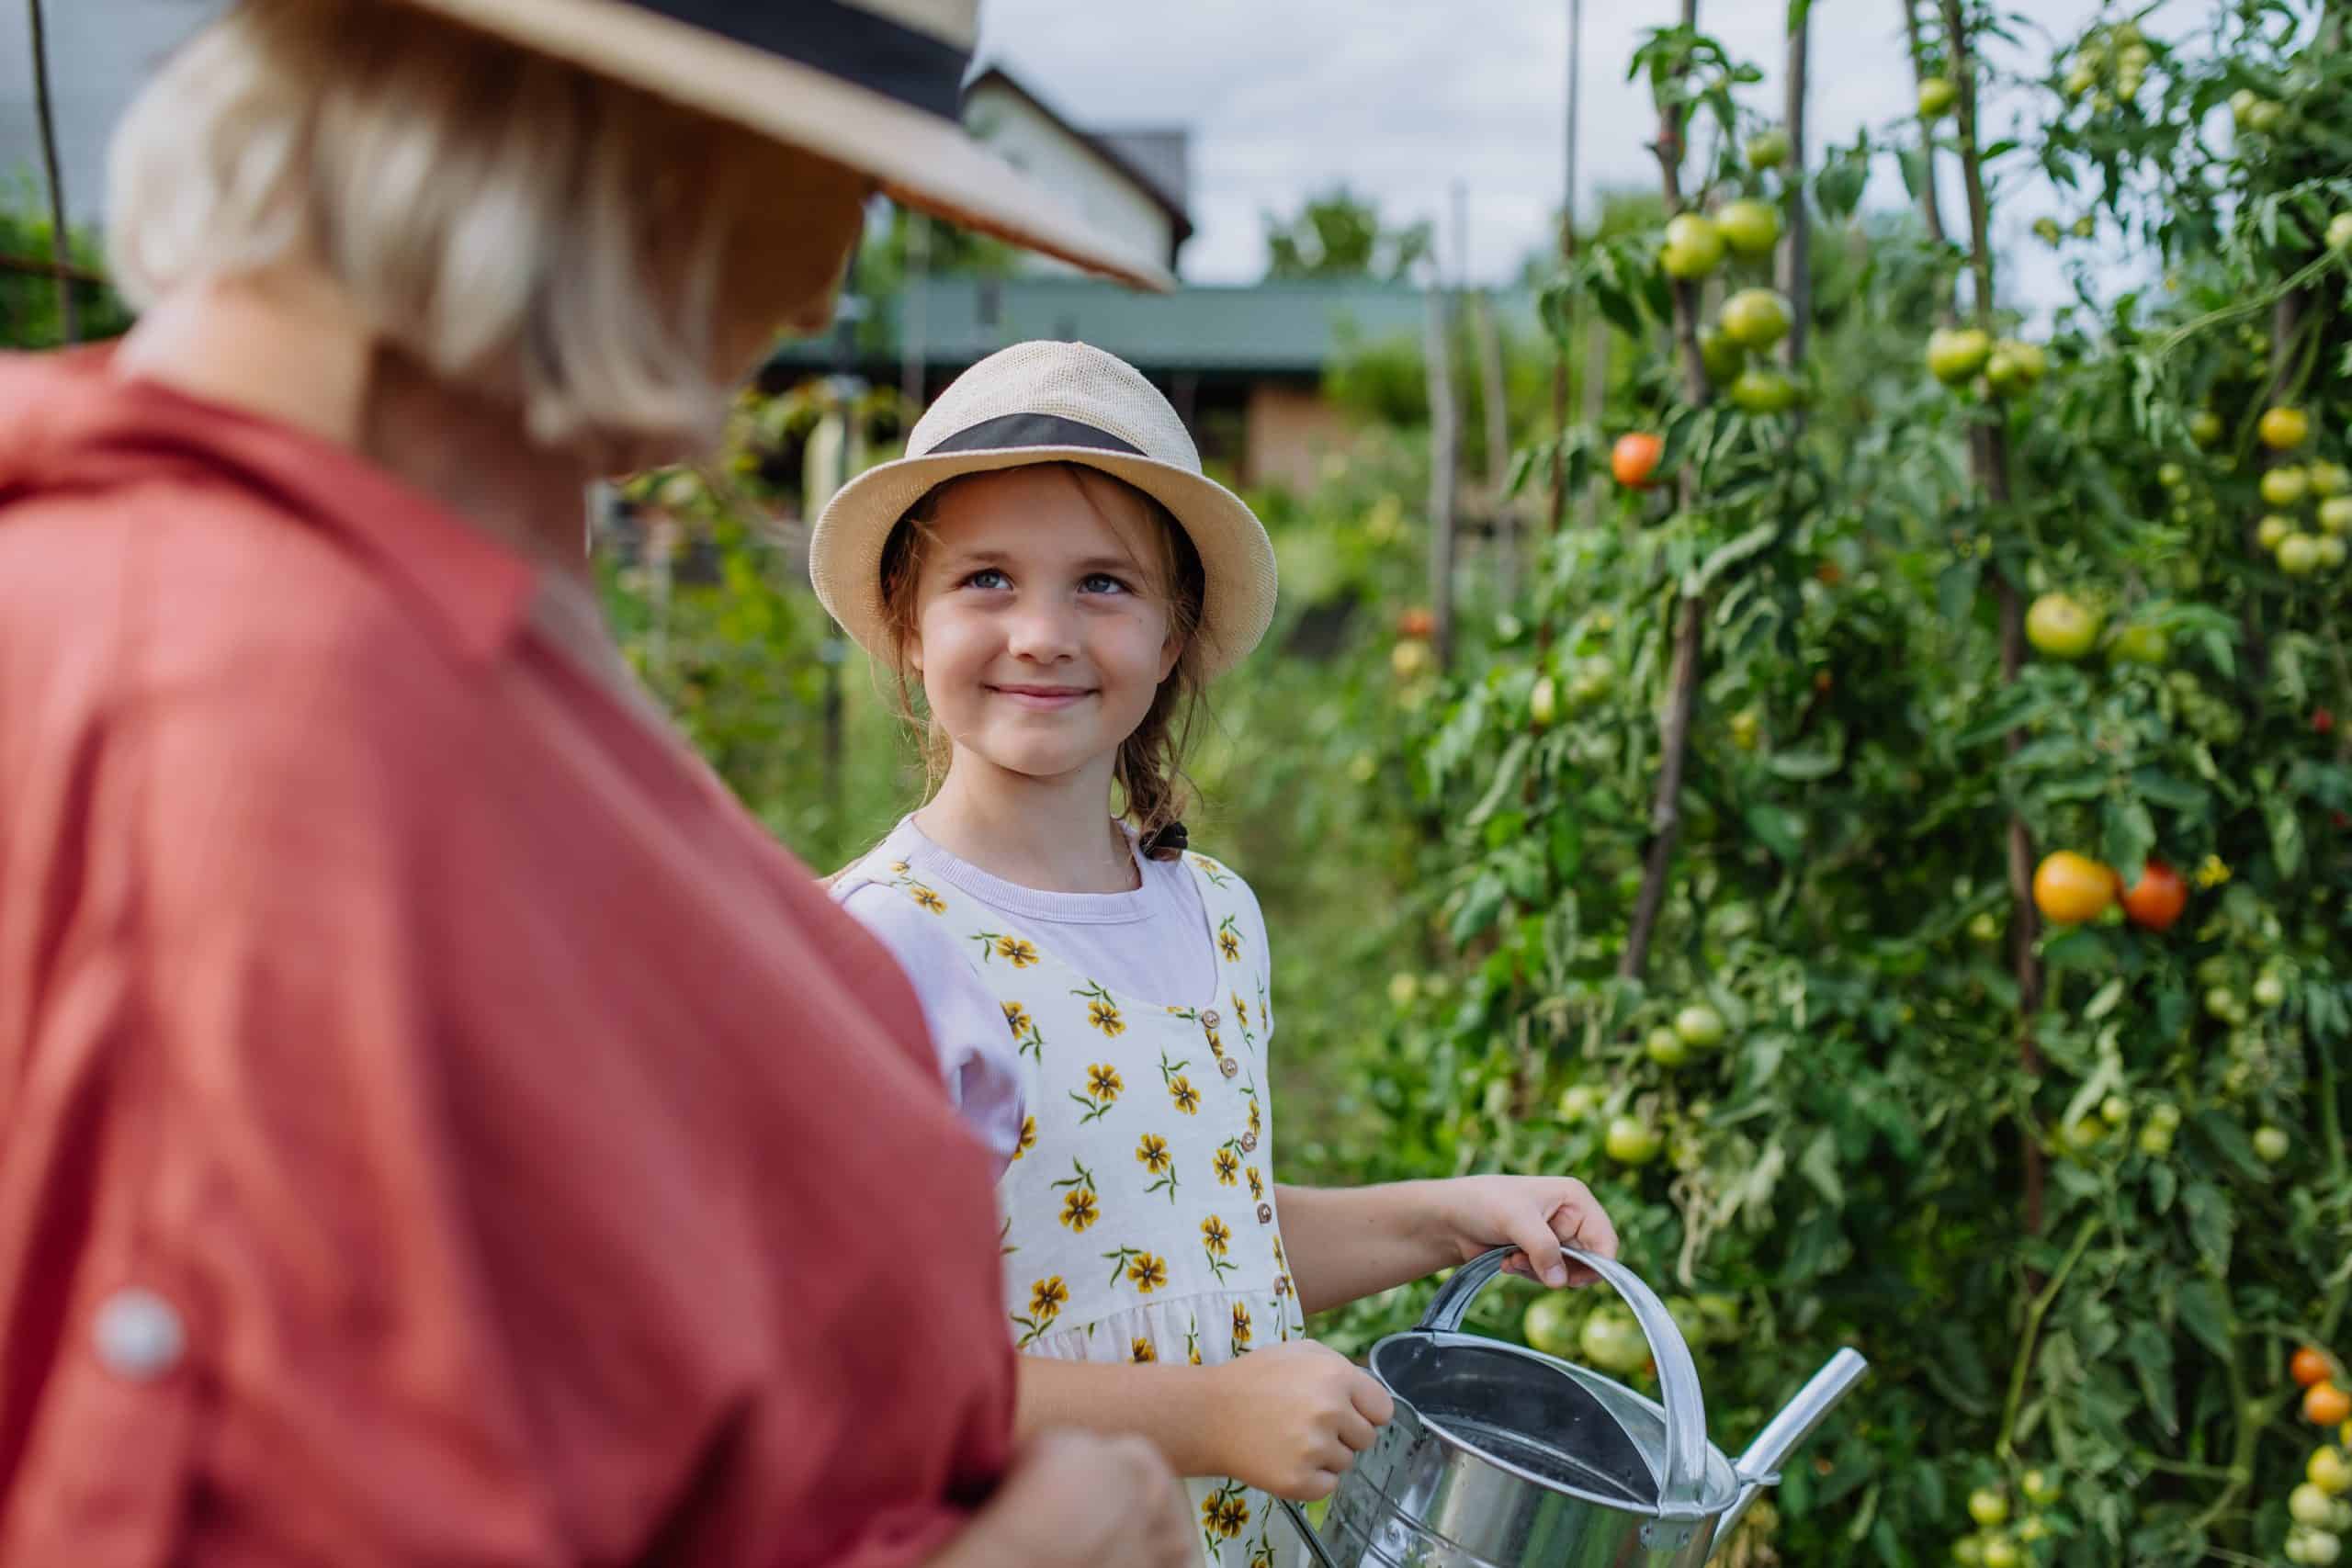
x=1292, y=328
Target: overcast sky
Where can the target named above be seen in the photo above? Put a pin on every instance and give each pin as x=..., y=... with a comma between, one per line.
x=1399, y=98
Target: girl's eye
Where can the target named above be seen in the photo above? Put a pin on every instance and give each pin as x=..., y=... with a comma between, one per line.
x=1102, y=582
x=986, y=577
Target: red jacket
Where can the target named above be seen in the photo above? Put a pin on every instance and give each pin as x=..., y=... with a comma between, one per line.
x=436, y=1125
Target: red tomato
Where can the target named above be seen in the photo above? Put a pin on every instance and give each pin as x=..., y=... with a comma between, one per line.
x=2325, y=1404
x=2156, y=900
x=2309, y=1366
x=1635, y=458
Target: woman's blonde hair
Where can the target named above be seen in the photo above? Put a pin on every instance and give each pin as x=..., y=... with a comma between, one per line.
x=1149, y=771
x=514, y=224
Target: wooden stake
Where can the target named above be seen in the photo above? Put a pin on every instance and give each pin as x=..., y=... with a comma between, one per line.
x=61, y=237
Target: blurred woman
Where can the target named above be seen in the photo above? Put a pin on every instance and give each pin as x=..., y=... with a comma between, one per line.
x=436, y=1125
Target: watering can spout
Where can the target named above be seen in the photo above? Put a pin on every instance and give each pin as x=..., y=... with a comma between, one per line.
x=1760, y=1466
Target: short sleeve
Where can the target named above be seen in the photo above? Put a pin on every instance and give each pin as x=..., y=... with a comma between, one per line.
x=978, y=1059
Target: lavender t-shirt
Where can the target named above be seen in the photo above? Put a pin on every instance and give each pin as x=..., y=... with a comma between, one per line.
x=1152, y=943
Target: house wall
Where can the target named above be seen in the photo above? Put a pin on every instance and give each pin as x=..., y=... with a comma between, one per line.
x=1291, y=431
x=1030, y=140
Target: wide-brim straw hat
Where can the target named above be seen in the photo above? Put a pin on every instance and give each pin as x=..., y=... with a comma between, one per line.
x=1051, y=402
x=874, y=86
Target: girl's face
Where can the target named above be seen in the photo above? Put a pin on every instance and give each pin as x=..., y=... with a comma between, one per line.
x=1042, y=634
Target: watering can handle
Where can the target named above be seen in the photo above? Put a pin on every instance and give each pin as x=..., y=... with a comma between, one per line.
x=1307, y=1533
x=1678, y=1376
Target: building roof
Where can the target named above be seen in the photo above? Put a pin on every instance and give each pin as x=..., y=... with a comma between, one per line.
x=1144, y=170
x=1163, y=155
x=1266, y=329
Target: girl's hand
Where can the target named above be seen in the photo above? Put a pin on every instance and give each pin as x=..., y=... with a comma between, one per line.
x=1534, y=1214
x=1293, y=1417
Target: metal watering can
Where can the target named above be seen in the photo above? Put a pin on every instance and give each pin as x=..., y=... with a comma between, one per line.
x=1502, y=1457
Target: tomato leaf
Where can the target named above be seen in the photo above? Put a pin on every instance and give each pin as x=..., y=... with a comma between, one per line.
x=2149, y=1353
x=2205, y=1312
x=2208, y=1208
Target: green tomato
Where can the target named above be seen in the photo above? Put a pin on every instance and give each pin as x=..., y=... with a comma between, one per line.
x=2172, y=476
x=2271, y=1144
x=2273, y=531
x=2331, y=551
x=2329, y=479
x=2115, y=1110
x=1700, y=1026
x=2307, y=1505
x=2205, y=427
x=2242, y=104
x=2032, y=1528
x=2000, y=1551
x=1666, y=1048
x=2339, y=231
x=2223, y=1003
x=2155, y=1142
x=1988, y=1507
x=2080, y=80
x=2335, y=516
x=2040, y=1487
x=2060, y=625
x=1755, y=317
x=2086, y=1133
x=1546, y=1325
x=1750, y=228
x=2299, y=555
x=2266, y=115
x=1612, y=1341
x=2269, y=990
x=1969, y=1551
x=1763, y=392
x=1723, y=358
x=1955, y=354
x=1632, y=1140
x=1769, y=149
x=1984, y=926
x=1694, y=246
x=2140, y=644
x=1579, y=1101
x=2164, y=1114
x=1544, y=702
x=1936, y=96
x=2285, y=486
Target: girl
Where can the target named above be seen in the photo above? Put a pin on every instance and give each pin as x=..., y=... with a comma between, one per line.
x=1049, y=564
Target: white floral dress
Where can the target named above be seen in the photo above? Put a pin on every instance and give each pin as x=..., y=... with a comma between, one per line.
x=1138, y=1210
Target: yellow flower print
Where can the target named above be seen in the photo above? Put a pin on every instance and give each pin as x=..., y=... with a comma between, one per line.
x=1240, y=1010
x=1139, y=1350
x=1103, y=1087
x=1011, y=947
x=1261, y=1555
x=1193, y=1342
x=1228, y=1166
x=1228, y=941
x=1046, y=1298
x=1152, y=1152
x=1028, y=1139
x=1106, y=1017
x=1224, y=1514
x=900, y=868
x=1241, y=1327
x=927, y=898
x=1253, y=1113
x=1147, y=1274
x=1257, y=1184
x=1016, y=1018
x=1079, y=1209
x=1187, y=1097
x=1214, y=1235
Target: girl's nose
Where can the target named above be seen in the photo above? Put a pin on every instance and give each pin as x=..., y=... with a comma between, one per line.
x=1043, y=630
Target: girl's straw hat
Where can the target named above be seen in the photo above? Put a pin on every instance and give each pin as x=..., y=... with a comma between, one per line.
x=874, y=86
x=1051, y=402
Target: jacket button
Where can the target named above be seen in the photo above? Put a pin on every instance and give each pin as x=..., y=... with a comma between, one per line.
x=1210, y=1019
x=1228, y=1066
x=1249, y=1142
x=139, y=1334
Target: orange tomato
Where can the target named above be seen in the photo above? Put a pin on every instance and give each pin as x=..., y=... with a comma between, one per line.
x=2069, y=889
x=2156, y=900
x=2325, y=1404
x=1635, y=458
x=1419, y=622
x=2309, y=1366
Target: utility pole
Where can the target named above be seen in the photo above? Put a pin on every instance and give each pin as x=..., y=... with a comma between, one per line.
x=1568, y=253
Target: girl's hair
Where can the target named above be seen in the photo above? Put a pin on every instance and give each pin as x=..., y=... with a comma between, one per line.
x=511, y=222
x=1149, y=771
